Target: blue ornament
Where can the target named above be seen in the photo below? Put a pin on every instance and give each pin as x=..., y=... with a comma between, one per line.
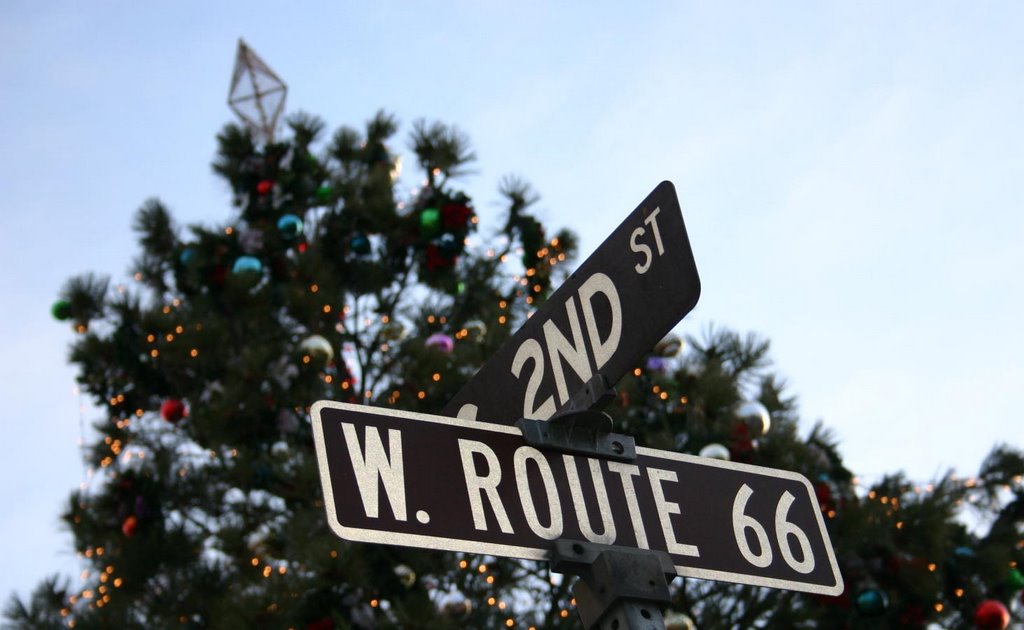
x=187, y=256
x=289, y=226
x=450, y=245
x=247, y=264
x=360, y=244
x=657, y=364
x=872, y=602
x=964, y=552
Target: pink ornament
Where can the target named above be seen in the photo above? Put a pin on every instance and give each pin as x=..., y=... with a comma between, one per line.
x=442, y=342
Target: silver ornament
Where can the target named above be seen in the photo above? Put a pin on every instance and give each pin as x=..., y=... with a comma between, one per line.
x=678, y=621
x=287, y=421
x=455, y=606
x=317, y=348
x=279, y=448
x=405, y=575
x=715, y=451
x=670, y=346
x=475, y=330
x=251, y=240
x=755, y=416
x=393, y=331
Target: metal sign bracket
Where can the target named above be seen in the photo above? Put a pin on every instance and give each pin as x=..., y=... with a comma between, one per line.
x=581, y=428
x=619, y=588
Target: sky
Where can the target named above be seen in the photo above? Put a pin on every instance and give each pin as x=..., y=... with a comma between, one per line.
x=851, y=177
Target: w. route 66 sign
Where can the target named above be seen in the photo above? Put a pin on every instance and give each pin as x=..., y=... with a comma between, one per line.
x=431, y=482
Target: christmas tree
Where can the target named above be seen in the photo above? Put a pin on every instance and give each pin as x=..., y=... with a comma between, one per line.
x=205, y=509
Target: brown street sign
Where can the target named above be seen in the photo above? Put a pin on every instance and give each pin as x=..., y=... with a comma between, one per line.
x=617, y=305
x=434, y=482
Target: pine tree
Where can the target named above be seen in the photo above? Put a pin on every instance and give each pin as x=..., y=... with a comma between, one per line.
x=206, y=507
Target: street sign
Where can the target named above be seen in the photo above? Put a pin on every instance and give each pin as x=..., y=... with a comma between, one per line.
x=433, y=482
x=624, y=299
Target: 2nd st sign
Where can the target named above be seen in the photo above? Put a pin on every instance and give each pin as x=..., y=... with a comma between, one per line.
x=444, y=483
x=620, y=302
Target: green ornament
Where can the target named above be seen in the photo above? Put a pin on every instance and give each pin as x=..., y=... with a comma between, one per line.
x=324, y=193
x=461, y=287
x=61, y=310
x=1015, y=579
x=430, y=221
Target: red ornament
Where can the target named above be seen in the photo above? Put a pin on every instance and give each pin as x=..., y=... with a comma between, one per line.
x=264, y=187
x=455, y=216
x=912, y=616
x=172, y=410
x=218, y=275
x=437, y=260
x=129, y=525
x=321, y=624
x=823, y=491
x=991, y=615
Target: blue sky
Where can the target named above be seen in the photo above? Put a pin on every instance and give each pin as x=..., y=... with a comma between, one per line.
x=851, y=176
